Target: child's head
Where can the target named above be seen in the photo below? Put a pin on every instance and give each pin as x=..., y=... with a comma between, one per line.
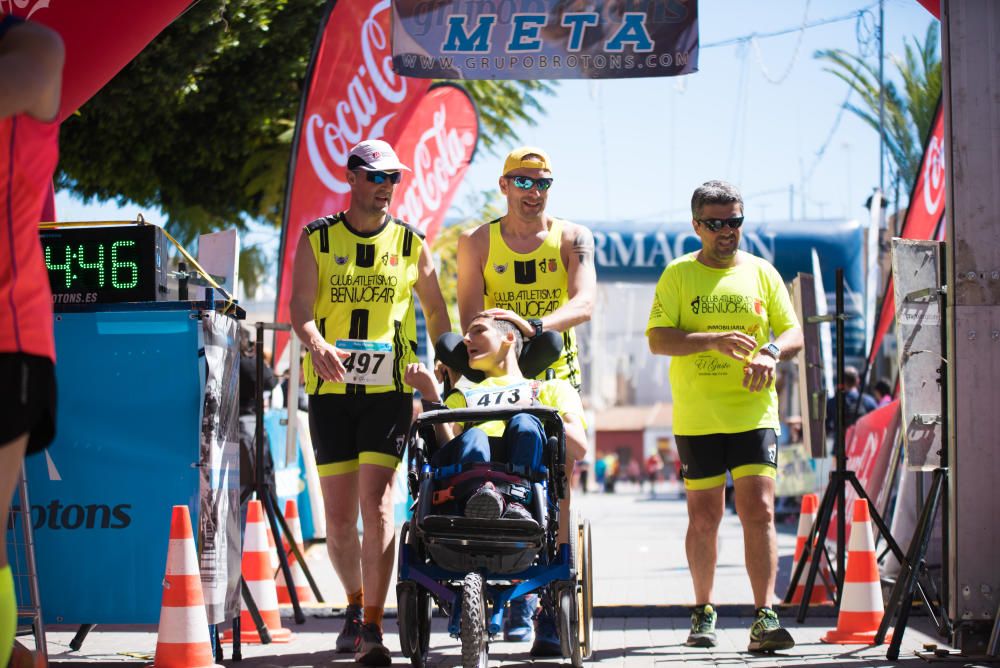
x=489, y=340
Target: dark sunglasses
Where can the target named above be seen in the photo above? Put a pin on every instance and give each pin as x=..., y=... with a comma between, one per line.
x=716, y=224
x=378, y=178
x=527, y=183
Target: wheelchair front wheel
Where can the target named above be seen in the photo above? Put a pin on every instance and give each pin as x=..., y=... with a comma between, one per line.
x=473, y=633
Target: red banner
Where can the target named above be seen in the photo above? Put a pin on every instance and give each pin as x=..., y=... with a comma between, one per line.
x=100, y=36
x=933, y=6
x=869, y=446
x=438, y=144
x=922, y=220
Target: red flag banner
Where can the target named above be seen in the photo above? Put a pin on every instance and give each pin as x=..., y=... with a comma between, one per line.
x=933, y=6
x=438, y=144
x=869, y=446
x=923, y=217
x=100, y=36
x=351, y=94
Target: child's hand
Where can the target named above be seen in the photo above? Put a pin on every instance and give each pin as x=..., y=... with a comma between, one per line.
x=419, y=378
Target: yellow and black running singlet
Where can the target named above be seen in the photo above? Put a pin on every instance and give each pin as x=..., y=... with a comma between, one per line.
x=532, y=285
x=364, y=303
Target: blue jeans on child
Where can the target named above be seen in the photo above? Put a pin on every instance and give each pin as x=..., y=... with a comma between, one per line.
x=523, y=439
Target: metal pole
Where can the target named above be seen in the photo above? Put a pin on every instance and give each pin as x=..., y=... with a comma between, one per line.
x=881, y=96
x=840, y=445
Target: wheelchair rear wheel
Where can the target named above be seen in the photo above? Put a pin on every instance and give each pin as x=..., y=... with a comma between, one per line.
x=474, y=646
x=575, y=598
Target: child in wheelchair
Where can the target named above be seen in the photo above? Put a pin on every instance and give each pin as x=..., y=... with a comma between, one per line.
x=494, y=346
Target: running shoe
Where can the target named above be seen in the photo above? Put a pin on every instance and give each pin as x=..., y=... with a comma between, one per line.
x=702, y=627
x=350, y=635
x=546, y=636
x=371, y=651
x=515, y=511
x=485, y=504
x=519, y=625
x=766, y=634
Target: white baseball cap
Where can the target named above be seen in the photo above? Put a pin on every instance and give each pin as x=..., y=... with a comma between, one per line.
x=375, y=155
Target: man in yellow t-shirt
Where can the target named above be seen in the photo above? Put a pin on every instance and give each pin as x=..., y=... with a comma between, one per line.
x=712, y=314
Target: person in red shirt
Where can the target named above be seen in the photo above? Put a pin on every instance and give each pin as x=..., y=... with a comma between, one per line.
x=31, y=62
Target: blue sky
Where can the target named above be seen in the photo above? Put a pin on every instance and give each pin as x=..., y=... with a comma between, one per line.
x=757, y=114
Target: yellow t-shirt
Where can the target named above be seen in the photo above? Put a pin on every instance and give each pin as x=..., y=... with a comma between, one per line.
x=532, y=285
x=517, y=391
x=707, y=387
x=364, y=303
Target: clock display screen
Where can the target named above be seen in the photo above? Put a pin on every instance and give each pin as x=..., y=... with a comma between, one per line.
x=96, y=265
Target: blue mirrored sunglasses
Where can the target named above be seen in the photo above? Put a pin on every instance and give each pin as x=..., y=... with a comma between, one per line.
x=378, y=178
x=527, y=183
x=716, y=224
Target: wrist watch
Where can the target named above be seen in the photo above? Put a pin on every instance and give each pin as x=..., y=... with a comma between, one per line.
x=536, y=323
x=771, y=349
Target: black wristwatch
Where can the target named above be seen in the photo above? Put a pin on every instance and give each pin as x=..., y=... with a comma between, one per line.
x=536, y=323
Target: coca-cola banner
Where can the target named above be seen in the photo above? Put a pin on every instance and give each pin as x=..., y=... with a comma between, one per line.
x=100, y=36
x=923, y=217
x=544, y=39
x=437, y=143
x=351, y=94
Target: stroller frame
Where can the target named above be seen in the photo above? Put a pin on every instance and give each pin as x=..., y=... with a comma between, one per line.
x=491, y=561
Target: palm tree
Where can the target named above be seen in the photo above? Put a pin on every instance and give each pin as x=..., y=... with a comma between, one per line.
x=909, y=111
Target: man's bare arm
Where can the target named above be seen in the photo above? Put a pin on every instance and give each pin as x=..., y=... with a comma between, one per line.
x=431, y=299
x=31, y=64
x=578, y=256
x=677, y=342
x=471, y=286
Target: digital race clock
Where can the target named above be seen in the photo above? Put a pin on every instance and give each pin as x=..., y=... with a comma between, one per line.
x=105, y=264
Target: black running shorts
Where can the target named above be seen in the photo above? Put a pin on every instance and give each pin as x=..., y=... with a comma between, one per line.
x=350, y=430
x=705, y=459
x=28, y=388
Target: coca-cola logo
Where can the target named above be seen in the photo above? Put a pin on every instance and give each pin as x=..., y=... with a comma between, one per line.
x=18, y=6
x=438, y=156
x=357, y=113
x=934, y=175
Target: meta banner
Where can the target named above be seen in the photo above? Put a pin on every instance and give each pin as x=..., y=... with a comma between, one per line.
x=923, y=217
x=544, y=39
x=100, y=37
x=437, y=144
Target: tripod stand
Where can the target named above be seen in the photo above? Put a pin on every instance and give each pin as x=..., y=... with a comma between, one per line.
x=836, y=489
x=262, y=489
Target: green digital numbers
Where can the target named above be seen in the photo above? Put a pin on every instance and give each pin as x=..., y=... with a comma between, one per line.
x=81, y=260
x=119, y=265
x=65, y=266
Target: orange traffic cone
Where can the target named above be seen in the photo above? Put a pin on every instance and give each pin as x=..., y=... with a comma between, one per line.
x=260, y=580
x=302, y=589
x=861, y=606
x=807, y=517
x=182, y=640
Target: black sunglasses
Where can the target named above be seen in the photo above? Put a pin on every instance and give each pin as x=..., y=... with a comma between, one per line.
x=378, y=178
x=716, y=224
x=527, y=183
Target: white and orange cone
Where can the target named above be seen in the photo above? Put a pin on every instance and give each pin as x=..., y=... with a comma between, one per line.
x=302, y=589
x=182, y=640
x=260, y=580
x=861, y=606
x=807, y=518
x=272, y=549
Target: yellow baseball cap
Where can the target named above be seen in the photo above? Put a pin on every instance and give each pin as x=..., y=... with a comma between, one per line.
x=518, y=159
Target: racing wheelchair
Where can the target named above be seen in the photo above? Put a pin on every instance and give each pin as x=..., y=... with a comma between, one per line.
x=471, y=567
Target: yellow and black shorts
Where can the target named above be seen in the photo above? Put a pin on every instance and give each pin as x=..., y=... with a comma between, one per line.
x=350, y=430
x=705, y=459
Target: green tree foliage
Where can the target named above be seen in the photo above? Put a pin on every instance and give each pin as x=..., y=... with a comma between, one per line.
x=200, y=124
x=480, y=208
x=909, y=111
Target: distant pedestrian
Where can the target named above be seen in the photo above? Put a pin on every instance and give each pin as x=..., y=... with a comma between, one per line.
x=883, y=392
x=856, y=405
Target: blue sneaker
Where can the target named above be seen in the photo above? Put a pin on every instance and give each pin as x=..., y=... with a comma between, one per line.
x=518, y=625
x=546, y=637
